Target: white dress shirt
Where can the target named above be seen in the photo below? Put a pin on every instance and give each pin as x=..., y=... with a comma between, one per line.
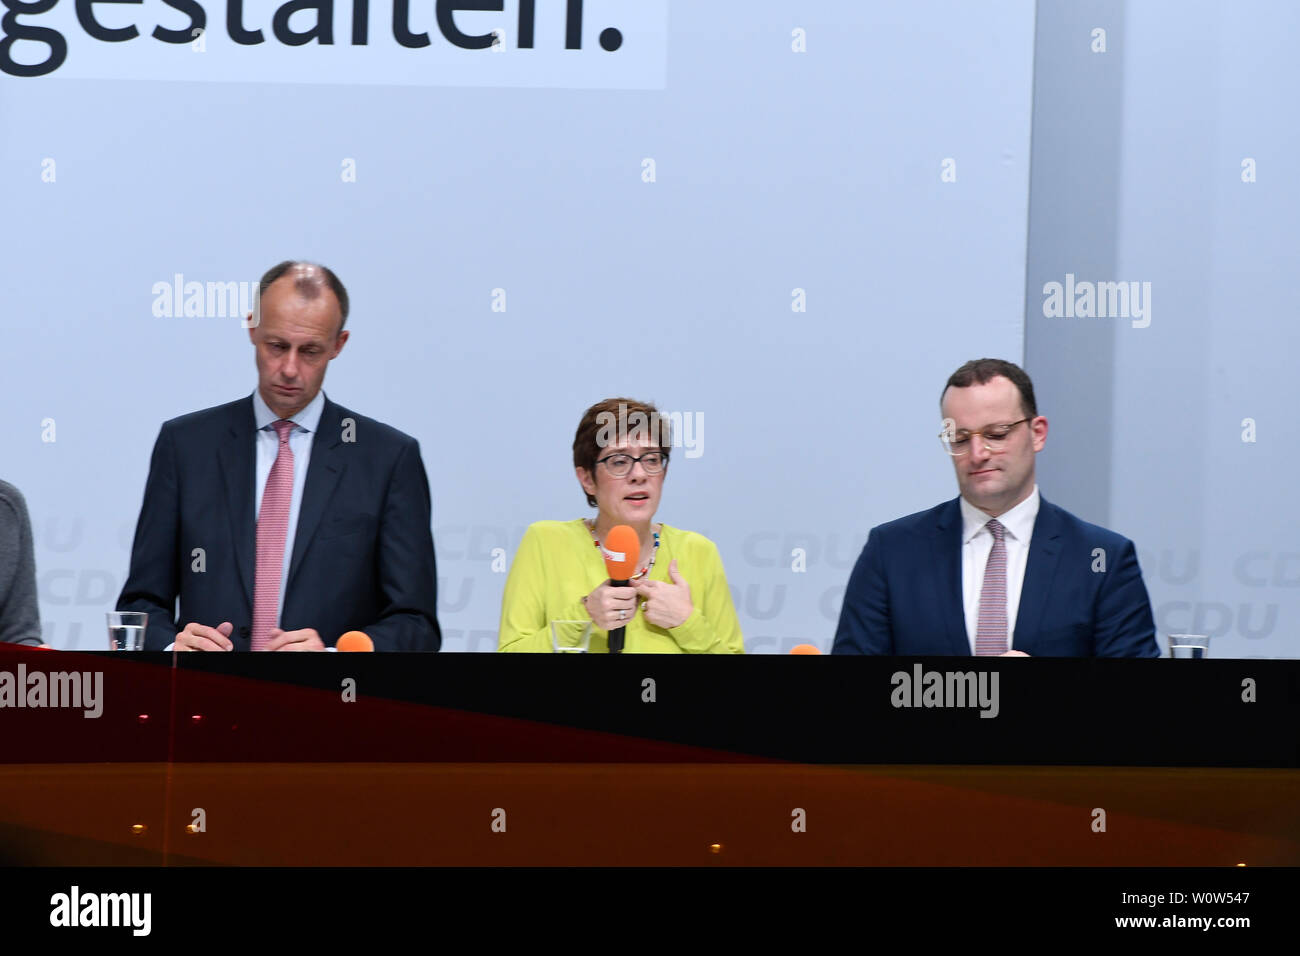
x=977, y=543
x=267, y=445
x=306, y=422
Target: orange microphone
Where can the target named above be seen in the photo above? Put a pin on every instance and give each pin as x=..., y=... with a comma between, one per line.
x=355, y=641
x=621, y=547
x=805, y=649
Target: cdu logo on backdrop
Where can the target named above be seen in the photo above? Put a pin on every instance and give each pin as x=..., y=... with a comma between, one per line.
x=603, y=44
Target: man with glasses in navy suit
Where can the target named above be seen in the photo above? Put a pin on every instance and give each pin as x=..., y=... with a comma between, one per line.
x=998, y=570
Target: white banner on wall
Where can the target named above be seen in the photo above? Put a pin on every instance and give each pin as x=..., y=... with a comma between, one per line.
x=597, y=44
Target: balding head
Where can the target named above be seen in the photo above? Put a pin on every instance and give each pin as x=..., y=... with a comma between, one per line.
x=310, y=280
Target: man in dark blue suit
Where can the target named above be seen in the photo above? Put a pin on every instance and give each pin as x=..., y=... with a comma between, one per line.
x=998, y=570
x=282, y=520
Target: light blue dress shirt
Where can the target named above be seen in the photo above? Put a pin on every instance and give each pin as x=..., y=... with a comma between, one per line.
x=306, y=423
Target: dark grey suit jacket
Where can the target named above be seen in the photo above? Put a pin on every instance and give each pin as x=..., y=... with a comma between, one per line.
x=20, y=620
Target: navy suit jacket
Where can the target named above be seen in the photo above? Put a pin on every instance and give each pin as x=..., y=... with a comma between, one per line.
x=905, y=594
x=362, y=553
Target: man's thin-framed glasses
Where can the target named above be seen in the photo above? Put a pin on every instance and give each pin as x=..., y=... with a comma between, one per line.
x=958, y=443
x=620, y=466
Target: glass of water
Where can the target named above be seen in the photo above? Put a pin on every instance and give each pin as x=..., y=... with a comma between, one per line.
x=570, y=637
x=126, y=630
x=1190, y=646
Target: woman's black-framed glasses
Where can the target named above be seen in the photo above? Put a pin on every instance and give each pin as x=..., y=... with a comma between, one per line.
x=620, y=466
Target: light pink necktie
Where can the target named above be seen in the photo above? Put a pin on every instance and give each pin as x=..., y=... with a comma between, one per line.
x=272, y=524
x=991, y=632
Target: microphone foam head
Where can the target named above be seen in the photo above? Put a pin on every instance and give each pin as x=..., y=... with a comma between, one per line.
x=805, y=649
x=622, y=547
x=355, y=641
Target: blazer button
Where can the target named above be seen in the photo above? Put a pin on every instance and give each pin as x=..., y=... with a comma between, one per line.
x=243, y=632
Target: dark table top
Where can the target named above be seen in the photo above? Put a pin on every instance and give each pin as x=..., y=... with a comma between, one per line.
x=652, y=709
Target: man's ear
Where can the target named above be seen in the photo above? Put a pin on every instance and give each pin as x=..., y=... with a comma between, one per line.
x=1039, y=427
x=341, y=341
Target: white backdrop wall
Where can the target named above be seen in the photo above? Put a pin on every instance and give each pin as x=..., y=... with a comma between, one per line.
x=430, y=184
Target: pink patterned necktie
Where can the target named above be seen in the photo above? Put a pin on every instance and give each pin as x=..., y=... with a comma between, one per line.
x=991, y=633
x=272, y=524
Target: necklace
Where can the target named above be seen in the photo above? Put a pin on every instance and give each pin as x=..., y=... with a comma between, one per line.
x=644, y=572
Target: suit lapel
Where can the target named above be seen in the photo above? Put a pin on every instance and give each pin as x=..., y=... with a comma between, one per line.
x=1040, y=568
x=946, y=555
x=236, y=459
x=323, y=475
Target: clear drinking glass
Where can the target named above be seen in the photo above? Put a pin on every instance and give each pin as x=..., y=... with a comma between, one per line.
x=570, y=637
x=126, y=630
x=1190, y=646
